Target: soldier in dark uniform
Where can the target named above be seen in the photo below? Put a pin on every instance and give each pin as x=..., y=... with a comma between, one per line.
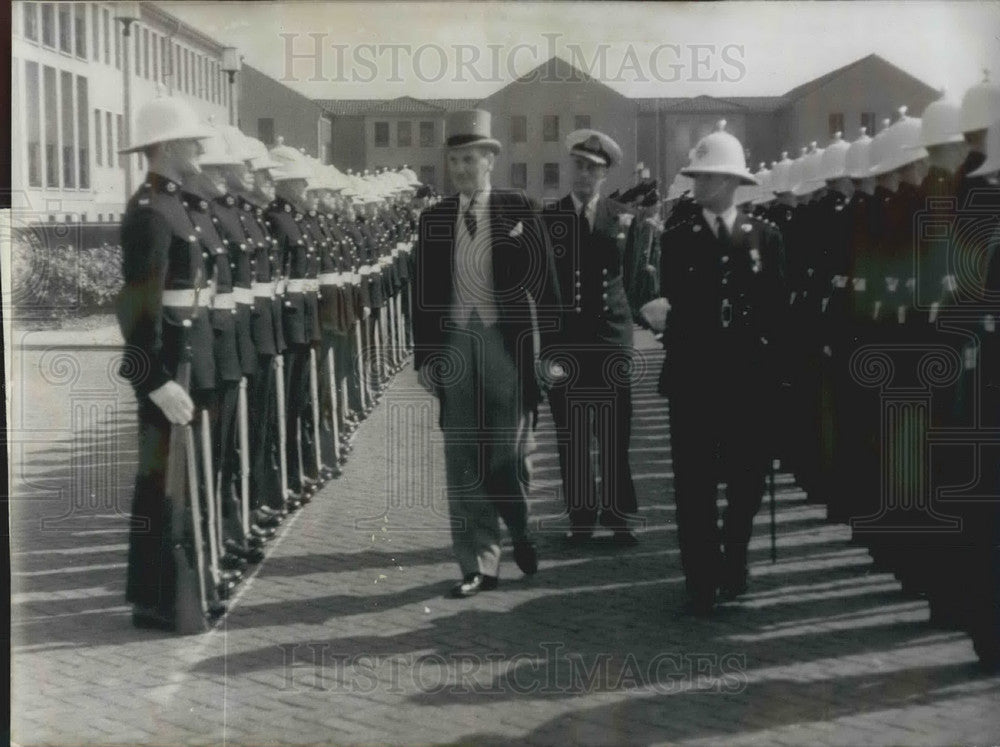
x=722, y=274
x=196, y=192
x=300, y=317
x=595, y=397
x=164, y=286
x=267, y=498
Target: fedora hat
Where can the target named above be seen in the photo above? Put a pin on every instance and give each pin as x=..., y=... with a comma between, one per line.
x=468, y=127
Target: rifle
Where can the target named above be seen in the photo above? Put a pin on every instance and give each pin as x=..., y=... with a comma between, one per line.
x=334, y=416
x=181, y=493
x=314, y=395
x=244, y=426
x=279, y=385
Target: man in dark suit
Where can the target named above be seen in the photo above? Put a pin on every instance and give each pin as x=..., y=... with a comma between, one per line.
x=482, y=275
x=722, y=273
x=593, y=397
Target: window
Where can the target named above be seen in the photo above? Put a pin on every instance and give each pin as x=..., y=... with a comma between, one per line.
x=82, y=121
x=550, y=176
x=381, y=134
x=404, y=134
x=33, y=99
x=118, y=137
x=118, y=49
x=137, y=57
x=519, y=175
x=518, y=128
x=111, y=145
x=550, y=128
x=164, y=59
x=868, y=120
x=426, y=134
x=80, y=27
x=213, y=83
x=31, y=21
x=95, y=22
x=427, y=175
x=106, y=29
x=836, y=123
x=155, y=54
x=48, y=24
x=581, y=122
x=51, y=128
x=145, y=54
x=98, y=142
x=265, y=130
x=65, y=29
x=199, y=85
x=68, y=130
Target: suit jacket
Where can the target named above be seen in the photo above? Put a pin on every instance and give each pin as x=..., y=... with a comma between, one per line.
x=526, y=293
x=589, y=274
x=728, y=306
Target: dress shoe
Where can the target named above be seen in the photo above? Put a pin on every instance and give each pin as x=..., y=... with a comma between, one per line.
x=256, y=543
x=700, y=603
x=526, y=557
x=624, y=538
x=266, y=512
x=232, y=562
x=149, y=618
x=216, y=609
x=249, y=554
x=474, y=583
x=734, y=585
x=577, y=537
x=262, y=532
x=266, y=521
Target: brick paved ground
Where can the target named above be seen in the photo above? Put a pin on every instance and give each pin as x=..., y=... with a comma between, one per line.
x=343, y=635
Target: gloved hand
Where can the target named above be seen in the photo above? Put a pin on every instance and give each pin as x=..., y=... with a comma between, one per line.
x=174, y=402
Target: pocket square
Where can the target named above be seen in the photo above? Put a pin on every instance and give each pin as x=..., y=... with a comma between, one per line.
x=517, y=230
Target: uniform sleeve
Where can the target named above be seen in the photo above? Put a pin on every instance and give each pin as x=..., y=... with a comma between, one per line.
x=545, y=288
x=419, y=320
x=145, y=245
x=666, y=276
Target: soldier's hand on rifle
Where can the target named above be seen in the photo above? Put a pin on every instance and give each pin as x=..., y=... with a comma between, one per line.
x=175, y=403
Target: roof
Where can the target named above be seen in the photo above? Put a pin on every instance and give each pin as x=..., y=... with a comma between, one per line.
x=398, y=105
x=556, y=69
x=290, y=91
x=711, y=104
x=817, y=83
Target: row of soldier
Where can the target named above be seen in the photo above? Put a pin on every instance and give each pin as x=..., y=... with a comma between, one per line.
x=280, y=288
x=891, y=358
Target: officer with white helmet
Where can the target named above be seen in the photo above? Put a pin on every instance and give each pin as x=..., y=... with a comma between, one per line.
x=980, y=110
x=722, y=274
x=162, y=310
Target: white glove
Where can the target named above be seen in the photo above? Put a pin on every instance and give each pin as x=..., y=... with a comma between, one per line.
x=174, y=402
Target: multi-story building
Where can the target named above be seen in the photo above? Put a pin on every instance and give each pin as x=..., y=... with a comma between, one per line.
x=533, y=114
x=268, y=110
x=68, y=104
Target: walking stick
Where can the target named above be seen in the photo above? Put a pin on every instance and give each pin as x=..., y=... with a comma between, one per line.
x=774, y=535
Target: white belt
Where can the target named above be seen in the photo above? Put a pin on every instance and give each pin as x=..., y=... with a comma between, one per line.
x=312, y=285
x=263, y=290
x=243, y=295
x=224, y=301
x=296, y=286
x=331, y=278
x=185, y=298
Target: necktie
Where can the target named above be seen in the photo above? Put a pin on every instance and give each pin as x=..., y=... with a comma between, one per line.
x=584, y=223
x=470, y=219
x=723, y=232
